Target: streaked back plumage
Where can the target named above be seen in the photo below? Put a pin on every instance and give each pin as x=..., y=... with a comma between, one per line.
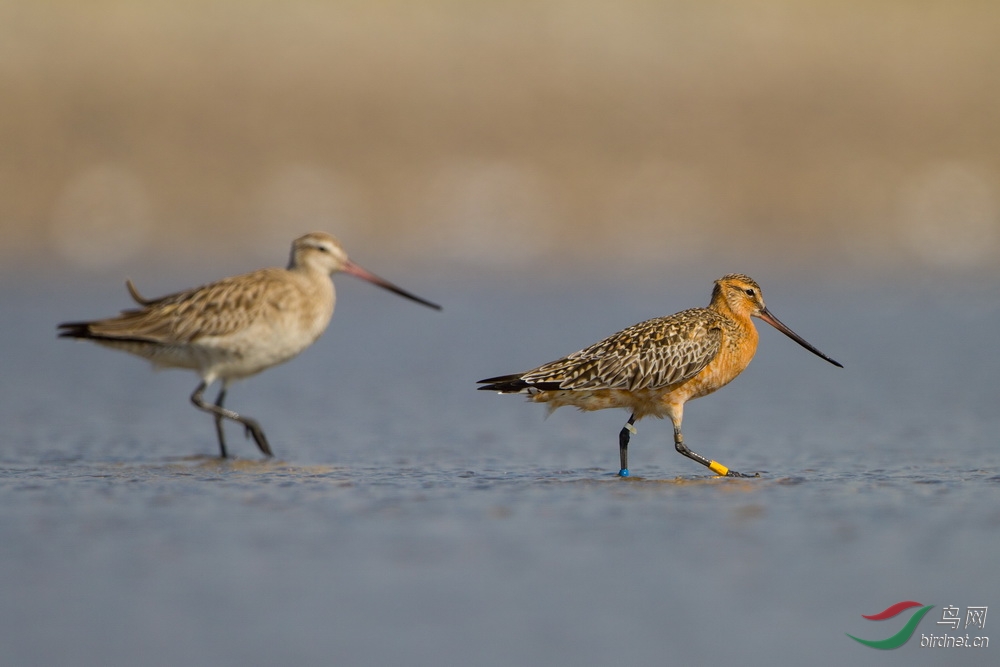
x=652, y=354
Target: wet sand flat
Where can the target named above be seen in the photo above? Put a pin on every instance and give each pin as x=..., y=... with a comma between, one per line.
x=409, y=519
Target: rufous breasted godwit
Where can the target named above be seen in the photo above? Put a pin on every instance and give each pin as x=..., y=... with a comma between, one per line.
x=236, y=327
x=656, y=366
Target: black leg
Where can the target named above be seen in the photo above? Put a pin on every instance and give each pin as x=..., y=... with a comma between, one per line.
x=623, y=439
x=252, y=427
x=714, y=466
x=218, y=422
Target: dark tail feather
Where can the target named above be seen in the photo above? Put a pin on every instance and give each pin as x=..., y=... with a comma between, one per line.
x=83, y=331
x=505, y=384
x=513, y=384
x=75, y=330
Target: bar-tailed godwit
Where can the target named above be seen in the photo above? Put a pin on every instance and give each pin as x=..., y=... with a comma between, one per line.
x=236, y=327
x=653, y=368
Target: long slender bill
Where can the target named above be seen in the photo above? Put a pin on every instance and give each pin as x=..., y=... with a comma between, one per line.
x=777, y=324
x=355, y=270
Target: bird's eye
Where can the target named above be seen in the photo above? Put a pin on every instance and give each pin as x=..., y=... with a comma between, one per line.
x=323, y=248
x=749, y=291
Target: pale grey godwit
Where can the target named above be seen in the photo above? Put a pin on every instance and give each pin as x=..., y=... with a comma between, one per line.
x=653, y=368
x=235, y=327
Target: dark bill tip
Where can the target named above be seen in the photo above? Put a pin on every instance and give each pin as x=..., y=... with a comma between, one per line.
x=777, y=324
x=364, y=274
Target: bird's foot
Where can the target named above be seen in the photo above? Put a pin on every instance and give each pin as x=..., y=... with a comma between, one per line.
x=253, y=430
x=723, y=471
x=733, y=473
x=623, y=472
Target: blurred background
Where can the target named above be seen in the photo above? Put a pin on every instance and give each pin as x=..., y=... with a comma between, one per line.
x=567, y=136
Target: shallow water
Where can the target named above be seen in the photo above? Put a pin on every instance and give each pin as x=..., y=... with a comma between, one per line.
x=412, y=520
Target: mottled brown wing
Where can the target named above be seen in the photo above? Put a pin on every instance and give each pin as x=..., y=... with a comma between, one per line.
x=216, y=309
x=652, y=354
